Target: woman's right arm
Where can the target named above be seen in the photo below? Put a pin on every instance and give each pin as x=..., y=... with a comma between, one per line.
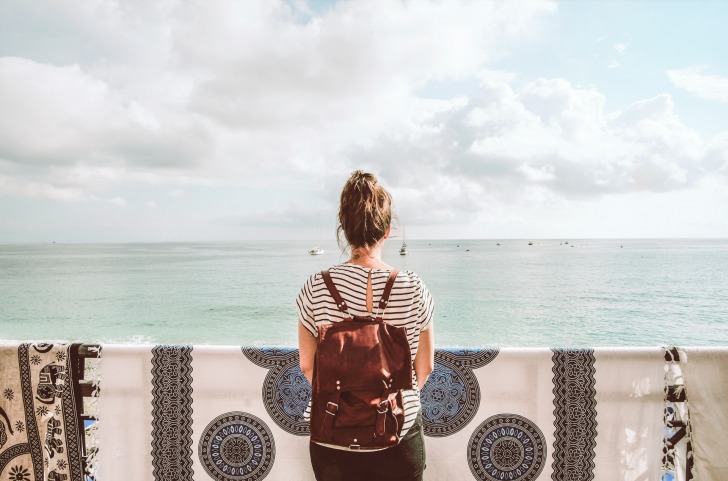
x=306, y=351
x=425, y=358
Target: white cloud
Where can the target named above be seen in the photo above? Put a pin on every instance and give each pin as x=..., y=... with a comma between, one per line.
x=120, y=201
x=218, y=92
x=562, y=131
x=12, y=186
x=151, y=204
x=496, y=76
x=715, y=157
x=694, y=80
x=621, y=48
x=272, y=99
x=542, y=174
x=516, y=141
x=79, y=120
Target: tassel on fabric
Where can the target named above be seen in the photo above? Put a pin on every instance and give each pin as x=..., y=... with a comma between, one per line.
x=91, y=407
x=677, y=443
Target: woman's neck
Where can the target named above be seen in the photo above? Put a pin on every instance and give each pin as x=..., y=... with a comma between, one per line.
x=370, y=257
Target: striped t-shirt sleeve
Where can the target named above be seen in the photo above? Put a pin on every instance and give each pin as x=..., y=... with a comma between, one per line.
x=304, y=304
x=426, y=308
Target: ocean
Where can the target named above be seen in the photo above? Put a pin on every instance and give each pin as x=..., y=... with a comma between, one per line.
x=554, y=293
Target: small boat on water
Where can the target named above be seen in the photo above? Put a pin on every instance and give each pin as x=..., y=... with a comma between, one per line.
x=530, y=243
x=317, y=250
x=403, y=249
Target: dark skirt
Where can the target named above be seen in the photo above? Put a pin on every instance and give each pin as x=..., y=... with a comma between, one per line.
x=403, y=462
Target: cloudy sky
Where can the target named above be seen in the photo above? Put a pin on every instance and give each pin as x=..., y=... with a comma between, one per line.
x=230, y=120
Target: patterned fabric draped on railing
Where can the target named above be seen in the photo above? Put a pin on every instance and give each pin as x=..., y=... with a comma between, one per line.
x=40, y=435
x=237, y=414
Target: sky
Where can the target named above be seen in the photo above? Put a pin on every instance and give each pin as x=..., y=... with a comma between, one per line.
x=214, y=120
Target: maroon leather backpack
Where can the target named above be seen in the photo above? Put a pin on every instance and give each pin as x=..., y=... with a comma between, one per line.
x=360, y=368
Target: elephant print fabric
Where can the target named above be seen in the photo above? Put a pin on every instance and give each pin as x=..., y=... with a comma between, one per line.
x=40, y=438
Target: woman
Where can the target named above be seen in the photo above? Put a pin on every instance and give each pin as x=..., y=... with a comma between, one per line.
x=365, y=216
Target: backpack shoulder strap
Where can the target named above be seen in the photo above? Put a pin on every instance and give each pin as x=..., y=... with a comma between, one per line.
x=387, y=290
x=340, y=302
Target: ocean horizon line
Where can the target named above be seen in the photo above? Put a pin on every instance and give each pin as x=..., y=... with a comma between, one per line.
x=309, y=240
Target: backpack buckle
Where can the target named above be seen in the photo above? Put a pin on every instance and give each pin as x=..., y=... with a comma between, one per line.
x=332, y=408
x=383, y=406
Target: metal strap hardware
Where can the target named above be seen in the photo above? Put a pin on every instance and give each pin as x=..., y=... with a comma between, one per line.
x=332, y=408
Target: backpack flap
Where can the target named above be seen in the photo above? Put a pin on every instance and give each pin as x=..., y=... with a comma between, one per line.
x=363, y=356
x=357, y=419
x=358, y=408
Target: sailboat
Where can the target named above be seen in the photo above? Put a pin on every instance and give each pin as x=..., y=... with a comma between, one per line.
x=403, y=249
x=317, y=250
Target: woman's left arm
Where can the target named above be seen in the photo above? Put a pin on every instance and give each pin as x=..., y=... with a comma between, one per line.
x=306, y=351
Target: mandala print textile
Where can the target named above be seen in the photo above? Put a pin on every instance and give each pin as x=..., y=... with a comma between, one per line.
x=199, y=413
x=235, y=437
x=40, y=438
x=286, y=391
x=508, y=430
x=549, y=414
x=451, y=396
x=238, y=414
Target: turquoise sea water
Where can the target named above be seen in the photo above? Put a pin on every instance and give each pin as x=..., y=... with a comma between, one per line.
x=585, y=293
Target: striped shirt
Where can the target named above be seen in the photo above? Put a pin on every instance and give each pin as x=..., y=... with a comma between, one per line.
x=410, y=306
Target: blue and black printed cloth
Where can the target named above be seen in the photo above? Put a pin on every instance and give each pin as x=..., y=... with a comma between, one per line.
x=237, y=414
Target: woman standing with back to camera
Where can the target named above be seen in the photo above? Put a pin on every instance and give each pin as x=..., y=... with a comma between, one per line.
x=365, y=216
